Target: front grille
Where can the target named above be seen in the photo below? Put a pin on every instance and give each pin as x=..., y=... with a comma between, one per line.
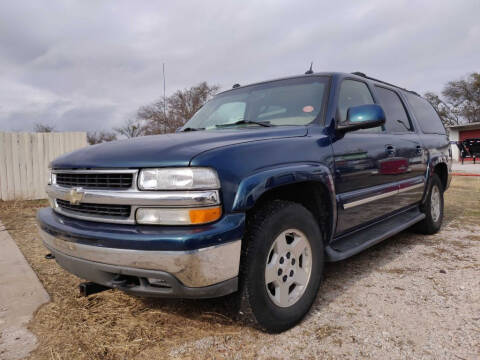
x=112, y=211
x=95, y=181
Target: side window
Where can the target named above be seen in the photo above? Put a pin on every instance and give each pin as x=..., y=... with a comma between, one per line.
x=396, y=117
x=426, y=115
x=352, y=93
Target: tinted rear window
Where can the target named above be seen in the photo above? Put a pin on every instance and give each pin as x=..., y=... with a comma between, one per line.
x=426, y=116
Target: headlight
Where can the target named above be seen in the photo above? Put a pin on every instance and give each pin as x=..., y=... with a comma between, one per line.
x=178, y=179
x=49, y=176
x=159, y=216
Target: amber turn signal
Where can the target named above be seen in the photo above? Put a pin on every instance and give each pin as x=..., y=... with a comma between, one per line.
x=206, y=215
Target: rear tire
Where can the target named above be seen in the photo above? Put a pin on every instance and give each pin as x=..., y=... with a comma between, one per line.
x=433, y=208
x=281, y=267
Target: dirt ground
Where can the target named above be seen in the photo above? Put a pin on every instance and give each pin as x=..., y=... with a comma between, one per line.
x=412, y=296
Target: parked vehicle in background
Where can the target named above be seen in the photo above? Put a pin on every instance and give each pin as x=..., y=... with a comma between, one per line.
x=469, y=148
x=262, y=186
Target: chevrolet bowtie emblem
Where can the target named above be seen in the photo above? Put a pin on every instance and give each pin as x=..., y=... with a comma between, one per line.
x=76, y=196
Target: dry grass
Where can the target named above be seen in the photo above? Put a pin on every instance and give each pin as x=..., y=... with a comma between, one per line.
x=112, y=325
x=109, y=325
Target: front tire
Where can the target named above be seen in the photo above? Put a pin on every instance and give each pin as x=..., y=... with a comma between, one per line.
x=433, y=208
x=282, y=265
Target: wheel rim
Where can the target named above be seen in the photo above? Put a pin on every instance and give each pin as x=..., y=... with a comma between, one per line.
x=288, y=268
x=435, y=203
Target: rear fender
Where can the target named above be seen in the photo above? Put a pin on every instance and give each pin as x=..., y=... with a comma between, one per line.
x=434, y=161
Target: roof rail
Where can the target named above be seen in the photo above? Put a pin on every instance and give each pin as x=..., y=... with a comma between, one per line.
x=358, y=73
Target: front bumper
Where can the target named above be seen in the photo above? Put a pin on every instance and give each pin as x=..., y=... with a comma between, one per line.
x=163, y=263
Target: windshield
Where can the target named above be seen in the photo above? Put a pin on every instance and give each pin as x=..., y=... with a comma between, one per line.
x=285, y=102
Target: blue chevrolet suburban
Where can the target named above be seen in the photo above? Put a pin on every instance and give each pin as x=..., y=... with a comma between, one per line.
x=262, y=186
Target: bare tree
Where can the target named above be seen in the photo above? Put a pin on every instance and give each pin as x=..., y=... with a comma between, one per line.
x=161, y=118
x=447, y=113
x=43, y=128
x=131, y=128
x=464, y=96
x=95, y=137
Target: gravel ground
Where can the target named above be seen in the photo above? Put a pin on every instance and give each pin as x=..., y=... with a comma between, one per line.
x=412, y=296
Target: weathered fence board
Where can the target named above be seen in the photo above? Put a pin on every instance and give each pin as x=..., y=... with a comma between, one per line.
x=24, y=159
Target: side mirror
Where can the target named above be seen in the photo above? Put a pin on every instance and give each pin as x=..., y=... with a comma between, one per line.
x=363, y=117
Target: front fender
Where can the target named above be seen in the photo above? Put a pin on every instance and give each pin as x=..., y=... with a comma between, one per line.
x=254, y=186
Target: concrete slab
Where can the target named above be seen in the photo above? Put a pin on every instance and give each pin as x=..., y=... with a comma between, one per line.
x=466, y=168
x=21, y=293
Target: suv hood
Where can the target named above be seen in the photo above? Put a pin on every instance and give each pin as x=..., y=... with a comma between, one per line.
x=167, y=150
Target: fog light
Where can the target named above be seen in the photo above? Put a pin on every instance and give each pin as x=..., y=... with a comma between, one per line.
x=160, y=216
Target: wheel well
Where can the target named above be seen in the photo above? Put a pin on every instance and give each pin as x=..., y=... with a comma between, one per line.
x=442, y=171
x=312, y=195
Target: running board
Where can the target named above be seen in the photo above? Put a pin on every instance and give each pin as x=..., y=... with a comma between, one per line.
x=351, y=244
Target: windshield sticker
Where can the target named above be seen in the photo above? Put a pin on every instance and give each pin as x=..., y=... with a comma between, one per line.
x=308, y=109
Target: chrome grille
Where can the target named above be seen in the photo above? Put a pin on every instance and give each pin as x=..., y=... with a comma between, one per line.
x=95, y=180
x=110, y=211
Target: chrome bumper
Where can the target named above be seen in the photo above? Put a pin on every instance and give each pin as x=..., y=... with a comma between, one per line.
x=197, y=268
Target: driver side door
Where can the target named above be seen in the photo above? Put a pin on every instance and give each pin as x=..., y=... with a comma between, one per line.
x=364, y=190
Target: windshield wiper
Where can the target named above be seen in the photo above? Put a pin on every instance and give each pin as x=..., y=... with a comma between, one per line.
x=244, y=121
x=192, y=129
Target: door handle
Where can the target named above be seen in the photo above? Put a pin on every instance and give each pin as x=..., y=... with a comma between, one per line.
x=390, y=150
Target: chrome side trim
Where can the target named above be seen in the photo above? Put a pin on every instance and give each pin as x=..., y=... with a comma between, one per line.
x=198, y=268
x=369, y=199
x=140, y=198
x=381, y=196
x=411, y=187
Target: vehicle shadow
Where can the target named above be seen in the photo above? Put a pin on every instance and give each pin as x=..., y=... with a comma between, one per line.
x=338, y=278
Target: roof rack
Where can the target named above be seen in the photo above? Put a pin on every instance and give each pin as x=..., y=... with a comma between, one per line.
x=358, y=73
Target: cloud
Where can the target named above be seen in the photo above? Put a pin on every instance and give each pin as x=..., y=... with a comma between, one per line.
x=88, y=65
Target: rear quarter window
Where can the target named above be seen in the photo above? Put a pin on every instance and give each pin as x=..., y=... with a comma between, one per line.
x=426, y=115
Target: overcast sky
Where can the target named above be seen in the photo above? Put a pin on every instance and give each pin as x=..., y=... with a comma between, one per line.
x=88, y=65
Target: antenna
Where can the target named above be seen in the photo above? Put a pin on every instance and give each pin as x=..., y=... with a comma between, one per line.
x=309, y=71
x=164, y=96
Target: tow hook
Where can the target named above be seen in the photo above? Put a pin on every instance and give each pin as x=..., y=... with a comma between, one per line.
x=89, y=288
x=123, y=281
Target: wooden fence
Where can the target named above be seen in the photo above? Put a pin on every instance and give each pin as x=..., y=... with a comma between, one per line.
x=24, y=159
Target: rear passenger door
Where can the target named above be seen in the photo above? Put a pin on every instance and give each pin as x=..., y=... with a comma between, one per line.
x=405, y=165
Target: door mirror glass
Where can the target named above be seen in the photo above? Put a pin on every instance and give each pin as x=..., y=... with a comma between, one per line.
x=363, y=117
